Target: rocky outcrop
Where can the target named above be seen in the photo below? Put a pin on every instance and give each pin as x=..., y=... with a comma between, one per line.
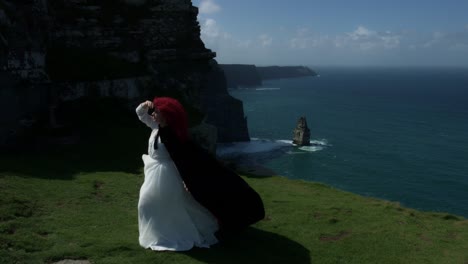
x=61, y=50
x=301, y=134
x=248, y=76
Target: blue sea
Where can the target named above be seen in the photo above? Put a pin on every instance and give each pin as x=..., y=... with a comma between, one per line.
x=399, y=134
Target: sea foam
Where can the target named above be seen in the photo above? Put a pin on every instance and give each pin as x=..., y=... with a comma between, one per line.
x=267, y=89
x=257, y=145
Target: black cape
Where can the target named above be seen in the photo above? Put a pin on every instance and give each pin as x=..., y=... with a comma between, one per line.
x=219, y=189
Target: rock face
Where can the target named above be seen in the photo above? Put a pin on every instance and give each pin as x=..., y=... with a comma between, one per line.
x=301, y=134
x=54, y=51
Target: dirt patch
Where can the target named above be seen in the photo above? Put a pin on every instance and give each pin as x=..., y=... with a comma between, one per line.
x=328, y=237
x=43, y=233
x=425, y=238
x=317, y=215
x=452, y=235
x=98, y=186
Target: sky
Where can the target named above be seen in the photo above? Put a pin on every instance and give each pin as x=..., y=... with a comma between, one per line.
x=336, y=32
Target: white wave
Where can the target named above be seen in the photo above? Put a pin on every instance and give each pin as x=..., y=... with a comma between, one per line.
x=321, y=142
x=316, y=142
x=267, y=89
x=311, y=148
x=258, y=145
x=284, y=141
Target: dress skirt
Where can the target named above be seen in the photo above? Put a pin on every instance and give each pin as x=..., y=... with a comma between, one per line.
x=169, y=218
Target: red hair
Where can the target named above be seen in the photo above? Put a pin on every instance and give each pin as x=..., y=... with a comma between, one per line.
x=174, y=114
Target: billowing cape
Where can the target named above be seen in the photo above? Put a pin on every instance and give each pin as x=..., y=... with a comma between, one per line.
x=219, y=189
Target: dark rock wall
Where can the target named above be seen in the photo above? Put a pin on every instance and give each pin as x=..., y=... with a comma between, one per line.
x=67, y=49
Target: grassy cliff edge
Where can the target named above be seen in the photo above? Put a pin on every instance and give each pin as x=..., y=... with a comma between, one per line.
x=93, y=216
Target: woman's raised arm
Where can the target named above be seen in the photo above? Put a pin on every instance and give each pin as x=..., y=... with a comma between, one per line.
x=142, y=112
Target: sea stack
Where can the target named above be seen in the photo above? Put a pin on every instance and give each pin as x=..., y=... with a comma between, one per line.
x=301, y=134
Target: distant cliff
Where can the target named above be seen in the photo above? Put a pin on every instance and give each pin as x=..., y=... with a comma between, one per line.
x=53, y=51
x=242, y=75
x=282, y=72
x=239, y=75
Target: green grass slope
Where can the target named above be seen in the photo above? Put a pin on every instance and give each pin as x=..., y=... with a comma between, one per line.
x=93, y=216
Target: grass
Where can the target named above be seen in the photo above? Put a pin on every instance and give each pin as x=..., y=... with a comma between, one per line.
x=81, y=203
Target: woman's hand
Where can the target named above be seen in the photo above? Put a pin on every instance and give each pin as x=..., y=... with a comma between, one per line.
x=148, y=104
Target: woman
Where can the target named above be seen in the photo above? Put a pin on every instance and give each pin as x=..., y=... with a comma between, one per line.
x=220, y=190
x=168, y=216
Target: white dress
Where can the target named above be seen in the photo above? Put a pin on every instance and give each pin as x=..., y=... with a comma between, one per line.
x=168, y=216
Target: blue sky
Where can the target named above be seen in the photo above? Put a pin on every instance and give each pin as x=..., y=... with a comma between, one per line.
x=332, y=32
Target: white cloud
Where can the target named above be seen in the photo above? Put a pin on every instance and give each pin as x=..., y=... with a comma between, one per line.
x=360, y=33
x=298, y=43
x=214, y=37
x=459, y=47
x=391, y=41
x=456, y=41
x=301, y=32
x=209, y=7
x=366, y=39
x=437, y=39
x=243, y=43
x=305, y=39
x=265, y=40
x=366, y=45
x=360, y=45
x=210, y=29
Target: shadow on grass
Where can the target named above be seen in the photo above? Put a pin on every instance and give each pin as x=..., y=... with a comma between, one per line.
x=254, y=246
x=66, y=165
x=116, y=152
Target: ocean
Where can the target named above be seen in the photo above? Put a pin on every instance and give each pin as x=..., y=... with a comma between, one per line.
x=399, y=134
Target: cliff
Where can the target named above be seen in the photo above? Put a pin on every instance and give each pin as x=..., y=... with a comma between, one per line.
x=242, y=75
x=239, y=75
x=56, y=51
x=281, y=72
